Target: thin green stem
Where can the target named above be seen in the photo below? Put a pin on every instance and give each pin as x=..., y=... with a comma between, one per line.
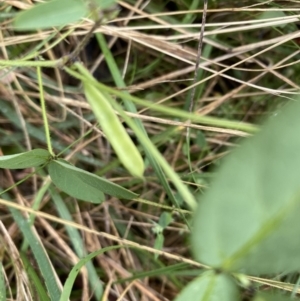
x=44, y=112
x=19, y=182
x=24, y=63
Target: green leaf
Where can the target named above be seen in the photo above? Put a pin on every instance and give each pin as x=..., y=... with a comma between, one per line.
x=272, y=14
x=249, y=219
x=103, y=4
x=201, y=139
x=115, y=132
x=28, y=159
x=165, y=219
x=210, y=287
x=84, y=185
x=51, y=13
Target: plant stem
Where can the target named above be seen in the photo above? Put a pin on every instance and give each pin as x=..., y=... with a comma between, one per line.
x=23, y=63
x=44, y=112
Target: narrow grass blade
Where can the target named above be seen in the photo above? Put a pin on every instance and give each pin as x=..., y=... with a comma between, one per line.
x=156, y=155
x=77, y=242
x=40, y=255
x=165, y=270
x=35, y=206
x=35, y=280
x=269, y=296
x=73, y=274
x=2, y=284
x=36, y=132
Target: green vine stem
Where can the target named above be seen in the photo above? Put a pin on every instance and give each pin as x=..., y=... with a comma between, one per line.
x=44, y=112
x=24, y=63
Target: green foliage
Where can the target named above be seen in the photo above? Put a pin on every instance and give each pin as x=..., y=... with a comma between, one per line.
x=272, y=14
x=31, y=158
x=248, y=220
x=112, y=127
x=210, y=287
x=51, y=13
x=41, y=257
x=77, y=242
x=56, y=13
x=102, y=4
x=159, y=242
x=36, y=282
x=70, y=179
x=84, y=185
x=164, y=220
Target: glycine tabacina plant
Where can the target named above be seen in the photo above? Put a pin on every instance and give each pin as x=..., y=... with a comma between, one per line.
x=247, y=223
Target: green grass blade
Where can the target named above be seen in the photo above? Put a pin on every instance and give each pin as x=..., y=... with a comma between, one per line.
x=2, y=284
x=73, y=274
x=165, y=270
x=35, y=132
x=272, y=296
x=40, y=255
x=35, y=281
x=159, y=158
x=77, y=242
x=35, y=206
